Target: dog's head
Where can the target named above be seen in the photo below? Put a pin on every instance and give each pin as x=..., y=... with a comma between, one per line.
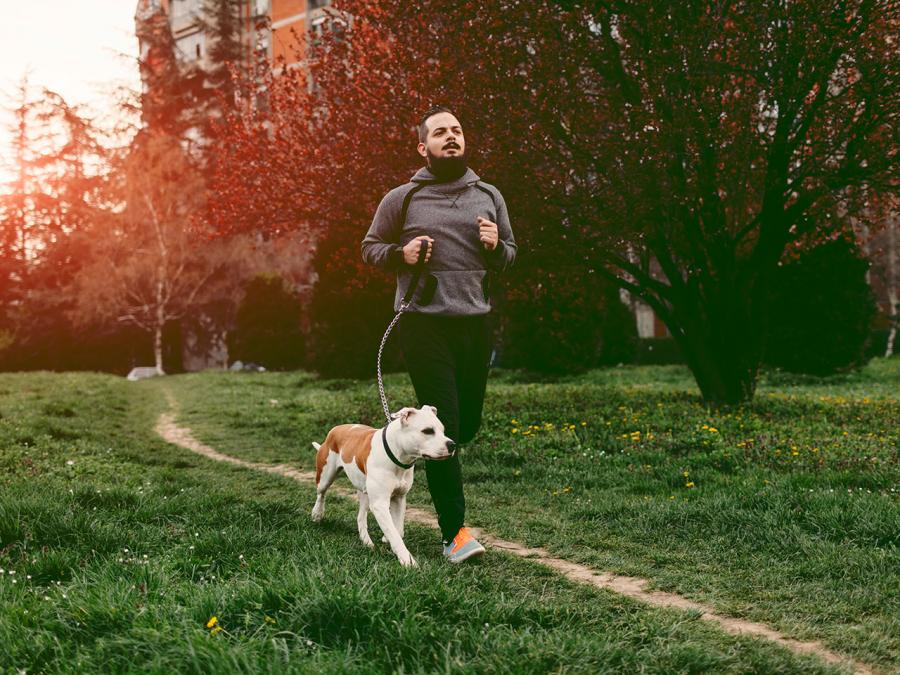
x=422, y=433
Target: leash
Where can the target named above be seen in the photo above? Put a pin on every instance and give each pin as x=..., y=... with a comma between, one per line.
x=404, y=304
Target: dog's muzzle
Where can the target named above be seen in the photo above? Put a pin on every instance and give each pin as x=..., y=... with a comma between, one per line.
x=451, y=447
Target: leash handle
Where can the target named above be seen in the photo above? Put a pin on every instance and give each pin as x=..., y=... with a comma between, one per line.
x=420, y=265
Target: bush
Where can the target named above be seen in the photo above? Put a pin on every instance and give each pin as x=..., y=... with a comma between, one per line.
x=351, y=307
x=821, y=311
x=268, y=325
x=566, y=323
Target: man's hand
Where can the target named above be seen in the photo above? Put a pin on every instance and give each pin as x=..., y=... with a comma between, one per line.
x=487, y=231
x=411, y=250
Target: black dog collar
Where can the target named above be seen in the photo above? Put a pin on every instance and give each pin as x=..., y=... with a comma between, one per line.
x=390, y=454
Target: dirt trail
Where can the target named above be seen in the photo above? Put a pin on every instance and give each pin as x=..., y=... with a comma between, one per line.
x=633, y=587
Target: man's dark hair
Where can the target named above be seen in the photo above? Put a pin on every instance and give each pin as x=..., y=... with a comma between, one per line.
x=433, y=110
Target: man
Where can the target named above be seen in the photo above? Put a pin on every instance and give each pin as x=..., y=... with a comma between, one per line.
x=445, y=334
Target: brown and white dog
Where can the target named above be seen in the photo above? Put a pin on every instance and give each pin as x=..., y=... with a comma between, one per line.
x=379, y=463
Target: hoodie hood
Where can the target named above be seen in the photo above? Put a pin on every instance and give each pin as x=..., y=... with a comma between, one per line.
x=424, y=175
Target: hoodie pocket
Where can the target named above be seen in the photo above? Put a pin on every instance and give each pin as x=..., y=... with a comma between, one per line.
x=428, y=290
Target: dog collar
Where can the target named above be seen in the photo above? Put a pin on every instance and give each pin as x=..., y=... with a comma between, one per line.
x=390, y=454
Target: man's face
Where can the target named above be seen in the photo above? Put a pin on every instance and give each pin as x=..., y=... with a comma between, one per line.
x=445, y=137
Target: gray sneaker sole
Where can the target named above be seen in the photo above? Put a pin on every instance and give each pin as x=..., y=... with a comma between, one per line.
x=465, y=555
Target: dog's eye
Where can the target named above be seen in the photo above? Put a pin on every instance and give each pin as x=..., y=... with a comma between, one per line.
x=428, y=431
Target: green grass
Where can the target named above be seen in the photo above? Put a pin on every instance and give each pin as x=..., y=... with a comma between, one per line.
x=792, y=518
x=83, y=478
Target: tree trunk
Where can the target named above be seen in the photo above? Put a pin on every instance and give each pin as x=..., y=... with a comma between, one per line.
x=158, y=328
x=721, y=333
x=157, y=349
x=891, y=277
x=894, y=309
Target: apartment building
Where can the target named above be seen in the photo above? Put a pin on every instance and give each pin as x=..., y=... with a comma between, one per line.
x=276, y=30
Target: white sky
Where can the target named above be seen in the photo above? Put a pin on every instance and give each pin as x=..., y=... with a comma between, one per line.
x=82, y=49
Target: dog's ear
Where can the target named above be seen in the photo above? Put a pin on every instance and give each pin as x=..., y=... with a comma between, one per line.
x=432, y=408
x=403, y=414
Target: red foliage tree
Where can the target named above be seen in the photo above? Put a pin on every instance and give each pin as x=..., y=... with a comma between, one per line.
x=707, y=136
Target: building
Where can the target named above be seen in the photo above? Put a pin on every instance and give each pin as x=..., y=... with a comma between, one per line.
x=277, y=30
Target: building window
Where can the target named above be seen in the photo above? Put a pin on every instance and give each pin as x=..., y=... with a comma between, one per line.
x=190, y=47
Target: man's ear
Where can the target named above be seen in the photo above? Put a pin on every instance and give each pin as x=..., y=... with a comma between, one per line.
x=421, y=149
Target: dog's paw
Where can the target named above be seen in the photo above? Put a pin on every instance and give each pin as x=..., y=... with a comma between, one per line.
x=408, y=560
x=384, y=539
x=317, y=514
x=367, y=541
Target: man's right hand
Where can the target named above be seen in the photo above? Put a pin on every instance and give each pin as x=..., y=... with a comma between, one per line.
x=411, y=250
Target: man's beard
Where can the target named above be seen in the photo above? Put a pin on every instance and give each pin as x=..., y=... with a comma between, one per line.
x=447, y=168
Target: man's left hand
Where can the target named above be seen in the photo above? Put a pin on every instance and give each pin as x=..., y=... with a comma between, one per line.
x=487, y=232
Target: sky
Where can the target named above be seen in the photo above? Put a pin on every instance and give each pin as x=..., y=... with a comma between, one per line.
x=82, y=49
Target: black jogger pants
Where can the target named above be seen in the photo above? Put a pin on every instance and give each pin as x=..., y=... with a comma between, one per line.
x=447, y=358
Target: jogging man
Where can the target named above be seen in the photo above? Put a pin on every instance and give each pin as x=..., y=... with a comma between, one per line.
x=445, y=335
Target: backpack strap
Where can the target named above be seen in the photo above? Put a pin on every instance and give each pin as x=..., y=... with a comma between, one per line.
x=406, y=200
x=420, y=263
x=487, y=192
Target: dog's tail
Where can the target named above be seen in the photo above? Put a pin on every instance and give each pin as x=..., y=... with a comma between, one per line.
x=316, y=446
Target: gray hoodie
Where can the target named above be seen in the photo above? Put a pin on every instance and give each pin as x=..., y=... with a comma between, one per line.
x=457, y=278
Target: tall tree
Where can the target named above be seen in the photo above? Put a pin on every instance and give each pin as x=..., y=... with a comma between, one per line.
x=706, y=136
x=147, y=265
x=222, y=24
x=173, y=92
x=43, y=215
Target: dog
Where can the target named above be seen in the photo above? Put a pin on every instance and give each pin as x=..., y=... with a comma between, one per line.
x=379, y=463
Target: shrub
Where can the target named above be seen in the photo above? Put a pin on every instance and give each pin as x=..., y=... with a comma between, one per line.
x=821, y=311
x=268, y=325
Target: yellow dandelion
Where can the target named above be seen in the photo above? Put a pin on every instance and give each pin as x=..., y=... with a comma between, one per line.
x=514, y=431
x=689, y=484
x=685, y=474
x=215, y=630
x=212, y=622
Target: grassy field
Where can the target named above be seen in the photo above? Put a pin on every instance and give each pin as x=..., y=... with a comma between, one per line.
x=124, y=548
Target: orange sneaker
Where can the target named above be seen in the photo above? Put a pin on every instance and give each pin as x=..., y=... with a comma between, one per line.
x=463, y=547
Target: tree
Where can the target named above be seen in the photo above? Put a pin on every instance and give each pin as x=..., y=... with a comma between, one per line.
x=173, y=92
x=708, y=137
x=148, y=266
x=43, y=217
x=221, y=22
x=882, y=247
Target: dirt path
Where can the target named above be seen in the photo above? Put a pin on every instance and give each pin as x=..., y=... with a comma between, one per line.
x=633, y=587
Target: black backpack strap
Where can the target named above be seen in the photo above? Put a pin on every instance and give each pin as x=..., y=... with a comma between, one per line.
x=406, y=200
x=423, y=247
x=487, y=192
